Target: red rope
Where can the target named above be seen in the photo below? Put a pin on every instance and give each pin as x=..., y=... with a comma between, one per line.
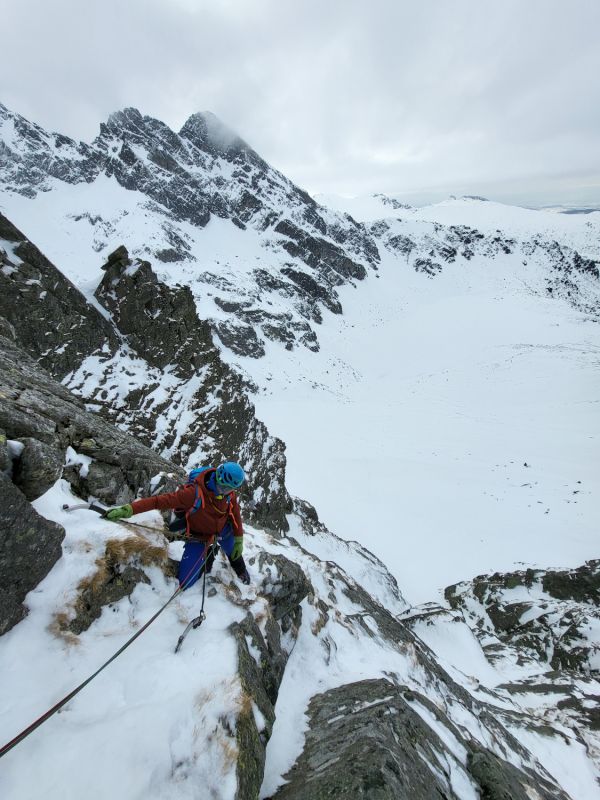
x=25, y=733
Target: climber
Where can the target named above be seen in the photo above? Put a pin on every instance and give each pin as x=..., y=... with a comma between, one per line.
x=207, y=508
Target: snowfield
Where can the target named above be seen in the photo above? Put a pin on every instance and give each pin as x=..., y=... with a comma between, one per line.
x=450, y=425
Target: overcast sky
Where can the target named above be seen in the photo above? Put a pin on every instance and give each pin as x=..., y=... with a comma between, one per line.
x=414, y=98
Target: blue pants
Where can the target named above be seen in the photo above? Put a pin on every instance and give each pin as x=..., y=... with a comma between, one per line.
x=189, y=570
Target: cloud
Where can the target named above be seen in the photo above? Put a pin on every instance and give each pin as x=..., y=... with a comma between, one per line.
x=341, y=96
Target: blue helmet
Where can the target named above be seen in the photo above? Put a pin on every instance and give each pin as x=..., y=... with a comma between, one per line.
x=230, y=475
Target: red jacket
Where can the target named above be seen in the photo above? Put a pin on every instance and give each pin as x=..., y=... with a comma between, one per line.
x=203, y=524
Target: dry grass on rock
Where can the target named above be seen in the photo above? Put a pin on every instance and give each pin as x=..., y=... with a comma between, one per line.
x=117, y=574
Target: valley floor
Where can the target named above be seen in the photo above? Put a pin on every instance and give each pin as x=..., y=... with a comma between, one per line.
x=450, y=424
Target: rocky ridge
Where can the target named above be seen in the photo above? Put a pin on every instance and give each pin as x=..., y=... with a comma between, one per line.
x=295, y=254
x=382, y=737
x=547, y=267
x=538, y=630
x=202, y=172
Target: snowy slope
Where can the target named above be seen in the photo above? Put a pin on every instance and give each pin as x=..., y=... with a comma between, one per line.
x=366, y=208
x=162, y=725
x=432, y=395
x=580, y=232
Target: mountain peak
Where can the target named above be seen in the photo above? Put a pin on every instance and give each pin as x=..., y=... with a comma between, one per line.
x=125, y=118
x=207, y=131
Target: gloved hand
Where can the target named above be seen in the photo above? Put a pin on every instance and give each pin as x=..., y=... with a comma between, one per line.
x=121, y=512
x=238, y=547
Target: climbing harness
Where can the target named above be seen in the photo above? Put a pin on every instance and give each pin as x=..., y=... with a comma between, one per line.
x=182, y=585
x=197, y=621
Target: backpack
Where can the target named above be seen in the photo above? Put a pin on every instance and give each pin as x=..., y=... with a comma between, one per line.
x=195, y=477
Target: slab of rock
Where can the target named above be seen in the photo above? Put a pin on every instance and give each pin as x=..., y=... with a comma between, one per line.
x=283, y=583
x=38, y=468
x=29, y=547
x=50, y=317
x=44, y=416
x=366, y=740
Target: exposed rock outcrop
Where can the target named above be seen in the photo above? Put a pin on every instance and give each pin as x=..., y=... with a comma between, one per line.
x=262, y=658
x=46, y=418
x=29, y=547
x=38, y=467
x=369, y=739
x=285, y=586
x=160, y=323
x=51, y=318
x=552, y=621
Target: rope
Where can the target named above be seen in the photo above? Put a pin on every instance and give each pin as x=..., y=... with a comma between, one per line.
x=197, y=621
x=25, y=733
x=209, y=553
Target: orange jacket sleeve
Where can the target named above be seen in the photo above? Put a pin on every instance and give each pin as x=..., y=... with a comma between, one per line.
x=181, y=498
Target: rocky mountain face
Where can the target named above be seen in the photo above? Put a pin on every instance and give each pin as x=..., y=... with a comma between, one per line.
x=538, y=629
x=148, y=363
x=188, y=177
x=549, y=268
x=46, y=433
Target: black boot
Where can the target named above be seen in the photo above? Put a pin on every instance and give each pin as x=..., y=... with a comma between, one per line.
x=239, y=567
